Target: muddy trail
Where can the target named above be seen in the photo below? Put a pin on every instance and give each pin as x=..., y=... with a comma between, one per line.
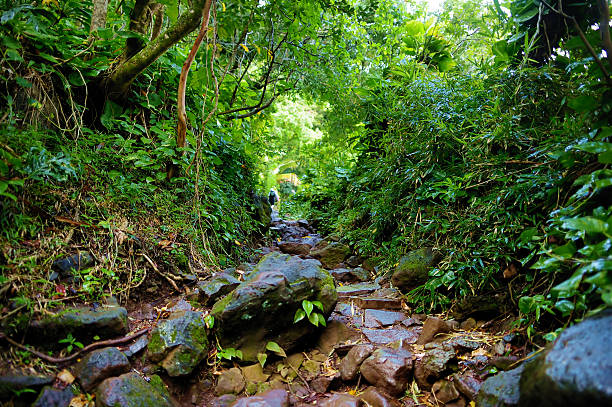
x=308, y=323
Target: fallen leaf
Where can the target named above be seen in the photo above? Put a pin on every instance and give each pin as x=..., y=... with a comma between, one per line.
x=65, y=376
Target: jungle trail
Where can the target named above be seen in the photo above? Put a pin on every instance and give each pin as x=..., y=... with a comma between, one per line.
x=325, y=202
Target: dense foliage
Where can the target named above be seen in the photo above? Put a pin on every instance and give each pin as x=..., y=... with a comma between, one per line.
x=481, y=129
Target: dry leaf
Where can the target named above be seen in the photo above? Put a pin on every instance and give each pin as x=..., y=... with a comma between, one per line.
x=65, y=376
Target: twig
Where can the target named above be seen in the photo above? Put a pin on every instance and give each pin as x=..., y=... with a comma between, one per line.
x=99, y=344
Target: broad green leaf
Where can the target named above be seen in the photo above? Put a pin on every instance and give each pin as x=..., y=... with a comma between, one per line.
x=583, y=103
x=595, y=147
x=588, y=224
x=314, y=319
x=307, y=305
x=569, y=286
x=318, y=304
x=262, y=357
x=321, y=319
x=274, y=347
x=564, y=306
x=299, y=315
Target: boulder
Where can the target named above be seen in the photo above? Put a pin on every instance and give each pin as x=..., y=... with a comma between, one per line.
x=331, y=254
x=262, y=211
x=294, y=248
x=388, y=369
x=350, y=364
x=432, y=366
x=375, y=397
x=501, y=390
x=445, y=391
x=12, y=383
x=576, y=367
x=413, y=269
x=467, y=385
x=216, y=287
x=230, y=382
x=131, y=390
x=50, y=397
x=335, y=333
x=262, y=308
x=379, y=318
x=351, y=275
x=82, y=323
x=342, y=400
x=432, y=327
x=99, y=365
x=270, y=398
x=179, y=343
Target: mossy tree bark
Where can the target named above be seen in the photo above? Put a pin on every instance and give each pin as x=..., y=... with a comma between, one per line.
x=117, y=80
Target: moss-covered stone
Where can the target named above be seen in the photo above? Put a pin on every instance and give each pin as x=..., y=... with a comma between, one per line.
x=131, y=390
x=413, y=268
x=179, y=343
x=82, y=322
x=262, y=308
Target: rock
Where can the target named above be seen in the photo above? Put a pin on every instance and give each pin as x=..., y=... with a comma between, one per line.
x=357, y=289
x=387, y=336
x=468, y=324
x=75, y=262
x=445, y=391
x=296, y=248
x=139, y=345
x=12, y=383
x=371, y=264
x=381, y=303
x=323, y=384
x=377, y=398
x=99, y=365
x=388, y=369
x=82, y=323
x=351, y=275
x=50, y=397
x=230, y=382
x=379, y=318
x=335, y=333
x=262, y=209
x=467, y=385
x=179, y=343
x=216, y=287
x=331, y=255
x=432, y=327
x=223, y=401
x=342, y=400
x=271, y=398
x=353, y=261
x=131, y=390
x=413, y=269
x=432, y=366
x=254, y=374
x=501, y=390
x=350, y=364
x=484, y=305
x=576, y=367
x=262, y=308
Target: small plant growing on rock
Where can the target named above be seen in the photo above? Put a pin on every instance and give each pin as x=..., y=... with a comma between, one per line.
x=315, y=318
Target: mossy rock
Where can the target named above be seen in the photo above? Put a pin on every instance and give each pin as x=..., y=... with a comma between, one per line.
x=262, y=308
x=179, y=343
x=82, y=323
x=131, y=390
x=413, y=269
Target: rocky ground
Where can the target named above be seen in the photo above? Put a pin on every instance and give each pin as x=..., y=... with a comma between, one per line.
x=307, y=324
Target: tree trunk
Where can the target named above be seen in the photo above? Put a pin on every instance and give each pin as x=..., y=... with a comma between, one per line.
x=117, y=80
x=98, y=15
x=181, y=131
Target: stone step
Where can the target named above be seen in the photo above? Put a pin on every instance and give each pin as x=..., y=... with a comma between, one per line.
x=351, y=290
